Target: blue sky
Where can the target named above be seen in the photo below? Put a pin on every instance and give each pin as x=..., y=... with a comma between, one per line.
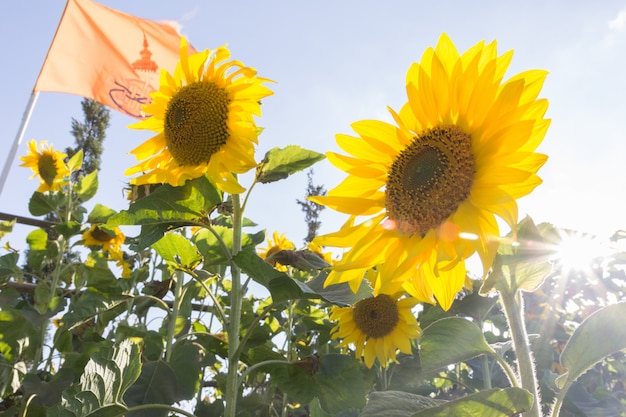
x=337, y=62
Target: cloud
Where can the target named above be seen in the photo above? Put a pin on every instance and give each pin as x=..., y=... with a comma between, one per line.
x=619, y=23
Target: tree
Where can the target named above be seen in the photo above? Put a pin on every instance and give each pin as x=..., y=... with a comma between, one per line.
x=89, y=136
x=312, y=210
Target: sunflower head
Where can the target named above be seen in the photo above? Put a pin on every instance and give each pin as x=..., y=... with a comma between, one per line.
x=278, y=243
x=47, y=164
x=110, y=239
x=377, y=327
x=203, y=115
x=430, y=186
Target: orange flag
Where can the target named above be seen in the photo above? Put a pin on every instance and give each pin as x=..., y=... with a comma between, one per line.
x=108, y=56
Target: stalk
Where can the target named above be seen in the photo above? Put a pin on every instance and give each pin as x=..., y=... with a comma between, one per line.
x=514, y=312
x=236, y=296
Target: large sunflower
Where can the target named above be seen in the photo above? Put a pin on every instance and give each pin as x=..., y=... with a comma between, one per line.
x=47, y=164
x=462, y=151
x=377, y=327
x=204, y=118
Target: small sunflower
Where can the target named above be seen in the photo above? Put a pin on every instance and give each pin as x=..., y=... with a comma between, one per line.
x=204, y=118
x=319, y=251
x=377, y=327
x=111, y=240
x=461, y=152
x=46, y=164
x=278, y=243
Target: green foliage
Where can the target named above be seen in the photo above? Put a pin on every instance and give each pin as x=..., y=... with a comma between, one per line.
x=202, y=320
x=279, y=163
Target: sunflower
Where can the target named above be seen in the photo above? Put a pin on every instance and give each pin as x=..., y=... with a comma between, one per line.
x=377, y=327
x=47, y=164
x=110, y=240
x=278, y=243
x=424, y=194
x=204, y=118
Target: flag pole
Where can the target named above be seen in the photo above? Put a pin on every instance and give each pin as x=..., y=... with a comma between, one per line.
x=18, y=138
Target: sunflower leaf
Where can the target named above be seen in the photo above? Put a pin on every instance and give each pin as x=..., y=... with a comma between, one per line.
x=76, y=161
x=107, y=376
x=581, y=353
x=396, y=404
x=279, y=163
x=489, y=403
x=280, y=285
x=178, y=251
x=436, y=351
x=87, y=186
x=41, y=204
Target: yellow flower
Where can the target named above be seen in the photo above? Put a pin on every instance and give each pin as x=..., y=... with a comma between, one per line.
x=111, y=240
x=377, y=327
x=461, y=152
x=204, y=118
x=280, y=242
x=319, y=251
x=47, y=164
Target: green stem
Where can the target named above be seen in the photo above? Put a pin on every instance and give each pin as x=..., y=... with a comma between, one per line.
x=507, y=370
x=486, y=371
x=259, y=365
x=234, y=323
x=171, y=325
x=514, y=312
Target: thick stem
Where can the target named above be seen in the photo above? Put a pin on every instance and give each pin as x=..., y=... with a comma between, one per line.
x=514, y=311
x=171, y=325
x=232, y=388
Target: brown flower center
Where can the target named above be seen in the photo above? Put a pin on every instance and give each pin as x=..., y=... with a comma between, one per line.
x=196, y=122
x=429, y=179
x=46, y=165
x=101, y=235
x=376, y=317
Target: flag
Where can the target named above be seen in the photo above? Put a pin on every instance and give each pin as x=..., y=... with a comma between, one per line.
x=108, y=56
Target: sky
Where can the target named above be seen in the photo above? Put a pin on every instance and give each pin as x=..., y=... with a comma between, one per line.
x=337, y=62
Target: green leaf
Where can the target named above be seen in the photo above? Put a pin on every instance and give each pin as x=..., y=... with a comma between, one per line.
x=68, y=229
x=211, y=248
x=168, y=207
x=185, y=362
x=76, y=161
x=521, y=264
x=599, y=335
x=87, y=187
x=39, y=249
x=100, y=214
x=280, y=285
x=396, y=404
x=341, y=384
x=336, y=380
x=178, y=251
x=279, y=163
x=41, y=204
x=490, y=403
x=48, y=392
x=451, y=340
x=338, y=294
x=9, y=268
x=89, y=305
x=107, y=376
x=156, y=385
